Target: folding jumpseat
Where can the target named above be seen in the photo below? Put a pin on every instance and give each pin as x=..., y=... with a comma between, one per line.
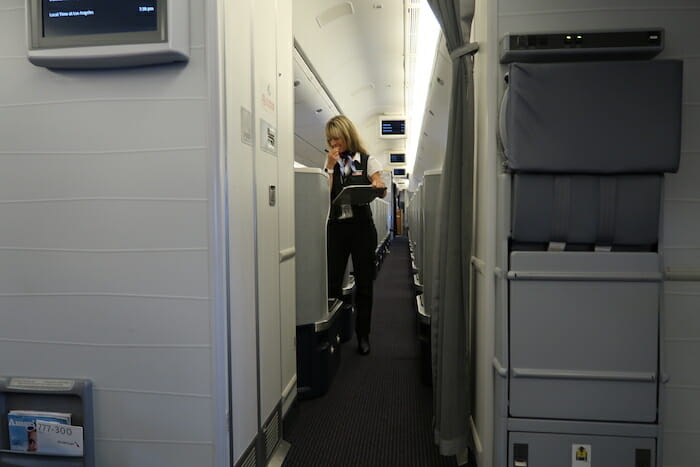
x=587, y=144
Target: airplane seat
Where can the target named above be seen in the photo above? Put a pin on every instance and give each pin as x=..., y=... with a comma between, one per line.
x=318, y=318
x=418, y=235
x=586, y=144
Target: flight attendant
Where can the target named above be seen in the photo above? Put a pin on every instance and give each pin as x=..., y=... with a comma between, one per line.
x=351, y=230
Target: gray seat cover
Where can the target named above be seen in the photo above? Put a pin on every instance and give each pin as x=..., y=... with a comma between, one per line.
x=610, y=210
x=593, y=117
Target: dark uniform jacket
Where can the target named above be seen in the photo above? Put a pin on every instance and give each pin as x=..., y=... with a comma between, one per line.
x=358, y=176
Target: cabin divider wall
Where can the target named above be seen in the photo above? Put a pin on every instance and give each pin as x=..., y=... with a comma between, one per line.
x=128, y=242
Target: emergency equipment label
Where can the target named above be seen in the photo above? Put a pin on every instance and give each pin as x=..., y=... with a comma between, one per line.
x=581, y=455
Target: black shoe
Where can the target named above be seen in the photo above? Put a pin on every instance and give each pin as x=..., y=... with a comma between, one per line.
x=363, y=345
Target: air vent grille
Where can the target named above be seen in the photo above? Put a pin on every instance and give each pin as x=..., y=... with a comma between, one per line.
x=272, y=434
x=411, y=20
x=249, y=460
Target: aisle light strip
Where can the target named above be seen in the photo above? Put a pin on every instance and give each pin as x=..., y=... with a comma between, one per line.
x=428, y=35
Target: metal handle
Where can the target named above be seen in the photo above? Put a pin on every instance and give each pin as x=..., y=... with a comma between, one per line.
x=478, y=264
x=500, y=369
x=287, y=253
x=584, y=375
x=585, y=276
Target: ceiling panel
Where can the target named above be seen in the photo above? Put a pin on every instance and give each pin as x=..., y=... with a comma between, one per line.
x=360, y=59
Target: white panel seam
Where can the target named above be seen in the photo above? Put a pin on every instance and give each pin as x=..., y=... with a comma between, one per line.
x=101, y=152
x=116, y=346
x=155, y=393
x=105, y=250
x=153, y=441
x=102, y=100
x=103, y=294
x=104, y=198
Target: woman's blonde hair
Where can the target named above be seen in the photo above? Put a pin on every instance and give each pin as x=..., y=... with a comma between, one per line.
x=341, y=126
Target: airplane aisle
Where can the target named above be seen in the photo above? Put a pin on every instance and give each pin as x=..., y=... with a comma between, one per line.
x=376, y=412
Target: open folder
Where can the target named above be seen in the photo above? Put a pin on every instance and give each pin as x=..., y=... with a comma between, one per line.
x=357, y=194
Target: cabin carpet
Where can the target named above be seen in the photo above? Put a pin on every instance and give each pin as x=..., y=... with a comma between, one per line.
x=376, y=413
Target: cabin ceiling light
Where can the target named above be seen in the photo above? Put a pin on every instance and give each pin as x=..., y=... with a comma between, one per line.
x=334, y=13
x=427, y=33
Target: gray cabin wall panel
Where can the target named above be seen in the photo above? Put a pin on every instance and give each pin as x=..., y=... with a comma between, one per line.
x=81, y=151
x=583, y=326
x=557, y=450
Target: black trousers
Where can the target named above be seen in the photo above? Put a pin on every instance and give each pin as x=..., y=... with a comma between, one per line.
x=356, y=237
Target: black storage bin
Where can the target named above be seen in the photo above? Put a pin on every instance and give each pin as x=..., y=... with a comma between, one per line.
x=318, y=353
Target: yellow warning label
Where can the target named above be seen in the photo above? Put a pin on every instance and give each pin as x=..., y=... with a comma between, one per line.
x=581, y=455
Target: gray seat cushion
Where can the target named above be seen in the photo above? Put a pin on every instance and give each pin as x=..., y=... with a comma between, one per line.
x=610, y=210
x=593, y=117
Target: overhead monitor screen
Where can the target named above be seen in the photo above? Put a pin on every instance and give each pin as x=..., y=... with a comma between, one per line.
x=83, y=17
x=397, y=158
x=399, y=172
x=393, y=127
x=107, y=33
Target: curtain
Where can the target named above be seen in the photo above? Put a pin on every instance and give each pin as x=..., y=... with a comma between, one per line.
x=451, y=332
